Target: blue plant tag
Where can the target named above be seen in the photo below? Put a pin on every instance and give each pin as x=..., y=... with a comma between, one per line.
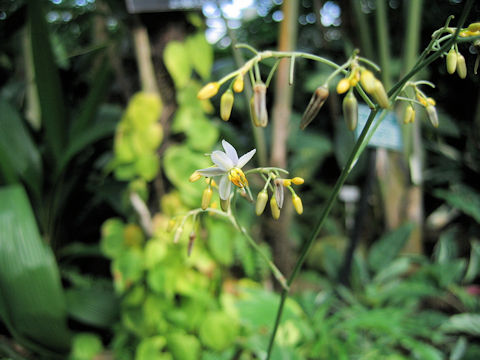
x=388, y=134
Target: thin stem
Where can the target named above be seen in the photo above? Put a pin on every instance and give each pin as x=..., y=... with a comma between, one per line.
x=383, y=41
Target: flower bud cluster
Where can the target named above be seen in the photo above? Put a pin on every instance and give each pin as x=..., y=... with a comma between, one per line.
x=456, y=61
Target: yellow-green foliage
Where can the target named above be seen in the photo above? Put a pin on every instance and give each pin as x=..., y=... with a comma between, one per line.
x=137, y=138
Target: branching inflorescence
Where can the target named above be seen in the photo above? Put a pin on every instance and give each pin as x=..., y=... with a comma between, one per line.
x=358, y=80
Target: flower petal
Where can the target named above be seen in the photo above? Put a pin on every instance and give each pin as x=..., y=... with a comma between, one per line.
x=246, y=158
x=211, y=171
x=224, y=187
x=231, y=152
x=221, y=159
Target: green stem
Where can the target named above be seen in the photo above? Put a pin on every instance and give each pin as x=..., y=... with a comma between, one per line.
x=393, y=93
x=383, y=41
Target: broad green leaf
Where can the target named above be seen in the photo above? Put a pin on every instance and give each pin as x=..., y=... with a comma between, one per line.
x=467, y=323
x=200, y=53
x=179, y=163
x=151, y=348
x=32, y=299
x=127, y=269
x=47, y=80
x=85, y=346
x=218, y=331
x=113, y=241
x=446, y=248
x=18, y=152
x=220, y=241
x=459, y=349
x=202, y=135
x=147, y=166
x=393, y=270
x=463, y=198
x=177, y=61
x=422, y=350
x=93, y=306
x=384, y=250
x=184, y=347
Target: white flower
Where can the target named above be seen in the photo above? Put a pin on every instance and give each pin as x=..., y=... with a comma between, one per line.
x=228, y=166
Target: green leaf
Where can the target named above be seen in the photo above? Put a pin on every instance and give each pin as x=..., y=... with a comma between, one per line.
x=93, y=306
x=85, y=346
x=18, y=152
x=184, y=347
x=388, y=246
x=200, y=53
x=179, y=163
x=220, y=241
x=47, y=80
x=463, y=198
x=467, y=323
x=202, y=134
x=127, y=269
x=218, y=331
x=474, y=263
x=100, y=83
x=150, y=348
x=422, y=350
x=177, y=61
x=32, y=301
x=82, y=140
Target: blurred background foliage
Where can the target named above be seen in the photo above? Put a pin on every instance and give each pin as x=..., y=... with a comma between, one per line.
x=100, y=129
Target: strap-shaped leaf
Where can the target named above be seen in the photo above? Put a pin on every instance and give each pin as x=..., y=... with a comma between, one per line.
x=47, y=80
x=32, y=301
x=19, y=156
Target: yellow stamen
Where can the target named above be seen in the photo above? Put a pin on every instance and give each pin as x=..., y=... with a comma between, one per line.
x=237, y=177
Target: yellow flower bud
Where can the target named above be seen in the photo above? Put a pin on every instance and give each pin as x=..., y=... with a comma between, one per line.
x=262, y=199
x=432, y=115
x=206, y=197
x=474, y=27
x=350, y=110
x=238, y=84
x=343, y=86
x=367, y=80
x=208, y=91
x=287, y=182
x=451, y=61
x=226, y=104
x=431, y=101
x=297, y=203
x=298, y=180
x=461, y=66
x=274, y=208
x=315, y=104
x=194, y=177
x=380, y=95
x=409, y=116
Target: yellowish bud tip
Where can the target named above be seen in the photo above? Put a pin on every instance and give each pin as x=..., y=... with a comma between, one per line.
x=343, y=86
x=274, y=208
x=262, y=199
x=297, y=203
x=206, y=197
x=431, y=101
x=474, y=27
x=211, y=182
x=226, y=104
x=409, y=116
x=194, y=177
x=451, y=61
x=367, y=80
x=461, y=66
x=380, y=95
x=287, y=182
x=298, y=180
x=208, y=91
x=238, y=84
